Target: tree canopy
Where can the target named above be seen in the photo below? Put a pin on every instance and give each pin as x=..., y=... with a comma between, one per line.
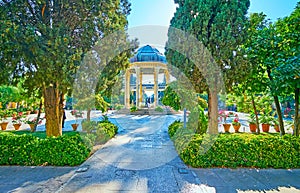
x=45, y=41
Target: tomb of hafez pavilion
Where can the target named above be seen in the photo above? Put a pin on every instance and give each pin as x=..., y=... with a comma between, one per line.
x=147, y=67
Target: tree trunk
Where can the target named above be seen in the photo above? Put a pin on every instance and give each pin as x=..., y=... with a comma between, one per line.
x=280, y=120
x=277, y=104
x=213, y=112
x=256, y=114
x=297, y=115
x=38, y=116
x=88, y=115
x=53, y=111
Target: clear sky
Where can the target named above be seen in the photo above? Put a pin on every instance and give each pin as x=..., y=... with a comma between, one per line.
x=160, y=12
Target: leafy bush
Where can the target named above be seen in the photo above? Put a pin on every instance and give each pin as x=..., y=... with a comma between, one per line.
x=30, y=150
x=133, y=109
x=119, y=106
x=159, y=109
x=242, y=150
x=198, y=121
x=173, y=128
x=89, y=126
x=98, y=132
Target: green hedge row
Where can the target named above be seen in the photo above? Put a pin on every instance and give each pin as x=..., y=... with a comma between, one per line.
x=27, y=149
x=73, y=148
x=238, y=150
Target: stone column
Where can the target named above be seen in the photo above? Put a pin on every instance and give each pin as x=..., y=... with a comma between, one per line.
x=127, y=89
x=167, y=75
x=137, y=93
x=141, y=88
x=156, y=72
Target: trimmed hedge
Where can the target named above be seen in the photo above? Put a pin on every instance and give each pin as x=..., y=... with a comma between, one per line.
x=98, y=132
x=27, y=149
x=239, y=150
x=73, y=148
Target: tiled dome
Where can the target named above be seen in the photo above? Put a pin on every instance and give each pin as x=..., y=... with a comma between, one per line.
x=148, y=54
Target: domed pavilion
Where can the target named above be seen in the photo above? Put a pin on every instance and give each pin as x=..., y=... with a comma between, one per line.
x=147, y=61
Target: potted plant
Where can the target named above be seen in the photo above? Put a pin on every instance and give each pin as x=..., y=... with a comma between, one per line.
x=3, y=120
x=252, y=123
x=275, y=124
x=31, y=122
x=236, y=124
x=266, y=121
x=17, y=120
x=223, y=116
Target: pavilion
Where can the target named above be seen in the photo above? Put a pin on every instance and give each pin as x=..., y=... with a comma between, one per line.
x=147, y=61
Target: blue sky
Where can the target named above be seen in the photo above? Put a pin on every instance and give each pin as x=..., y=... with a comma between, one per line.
x=160, y=12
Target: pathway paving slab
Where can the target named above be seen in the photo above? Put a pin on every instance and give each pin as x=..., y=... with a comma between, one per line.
x=141, y=158
x=250, y=180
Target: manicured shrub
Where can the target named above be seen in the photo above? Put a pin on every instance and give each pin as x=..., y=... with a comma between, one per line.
x=172, y=129
x=159, y=109
x=241, y=150
x=133, y=109
x=30, y=150
x=98, y=132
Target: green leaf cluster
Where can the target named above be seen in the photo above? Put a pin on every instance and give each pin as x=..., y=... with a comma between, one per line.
x=98, y=132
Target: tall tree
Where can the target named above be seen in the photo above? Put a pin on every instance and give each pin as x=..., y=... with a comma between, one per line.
x=45, y=40
x=275, y=47
x=220, y=26
x=287, y=73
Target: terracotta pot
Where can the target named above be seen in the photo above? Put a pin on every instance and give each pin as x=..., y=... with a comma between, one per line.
x=226, y=127
x=276, y=127
x=265, y=127
x=28, y=112
x=252, y=127
x=74, y=126
x=236, y=128
x=31, y=127
x=17, y=126
x=4, y=125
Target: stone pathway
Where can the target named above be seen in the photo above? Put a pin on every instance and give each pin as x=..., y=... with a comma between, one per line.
x=141, y=158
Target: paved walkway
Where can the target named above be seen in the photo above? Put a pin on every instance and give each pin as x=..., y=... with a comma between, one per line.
x=141, y=158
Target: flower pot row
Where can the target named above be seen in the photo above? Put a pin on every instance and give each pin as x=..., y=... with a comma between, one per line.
x=4, y=125
x=227, y=127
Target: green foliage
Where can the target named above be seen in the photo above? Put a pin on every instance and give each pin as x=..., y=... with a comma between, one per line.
x=242, y=150
x=159, y=109
x=89, y=126
x=173, y=128
x=171, y=98
x=9, y=94
x=26, y=149
x=202, y=102
x=198, y=121
x=45, y=42
x=119, y=106
x=133, y=109
x=98, y=132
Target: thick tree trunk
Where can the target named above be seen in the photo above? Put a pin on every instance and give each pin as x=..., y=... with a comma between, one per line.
x=213, y=112
x=280, y=119
x=88, y=115
x=256, y=114
x=297, y=115
x=53, y=111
